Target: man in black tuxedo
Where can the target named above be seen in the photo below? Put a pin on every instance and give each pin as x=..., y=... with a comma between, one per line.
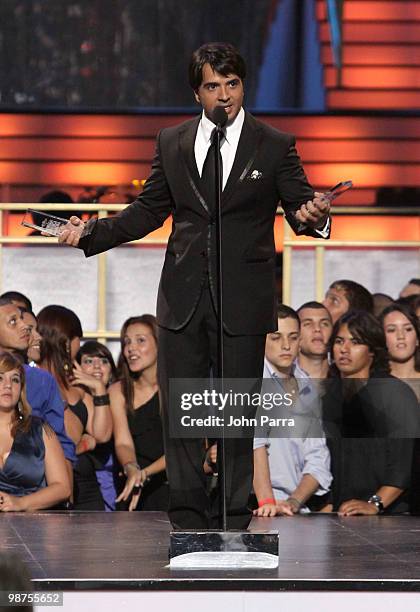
x=260, y=167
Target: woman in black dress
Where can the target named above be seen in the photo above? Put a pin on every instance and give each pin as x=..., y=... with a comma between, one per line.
x=402, y=332
x=136, y=417
x=61, y=331
x=94, y=371
x=33, y=473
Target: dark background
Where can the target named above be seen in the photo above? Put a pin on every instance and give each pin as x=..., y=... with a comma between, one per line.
x=119, y=54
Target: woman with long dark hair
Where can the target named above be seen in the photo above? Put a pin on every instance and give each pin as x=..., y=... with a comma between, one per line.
x=369, y=419
x=33, y=472
x=402, y=332
x=61, y=331
x=136, y=417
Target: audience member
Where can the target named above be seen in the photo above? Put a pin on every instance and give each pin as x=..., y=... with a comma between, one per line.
x=403, y=339
x=33, y=472
x=42, y=390
x=416, y=306
x=95, y=370
x=345, y=295
x=402, y=334
x=289, y=472
x=61, y=331
x=369, y=418
x=411, y=288
x=33, y=353
x=380, y=301
x=58, y=197
x=136, y=417
x=410, y=301
x=315, y=332
x=18, y=298
x=112, y=194
x=87, y=195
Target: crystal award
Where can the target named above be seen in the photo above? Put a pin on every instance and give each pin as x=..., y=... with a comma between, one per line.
x=43, y=222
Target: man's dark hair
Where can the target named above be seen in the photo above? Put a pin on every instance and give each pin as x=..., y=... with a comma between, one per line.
x=285, y=312
x=314, y=305
x=222, y=57
x=367, y=330
x=16, y=296
x=414, y=281
x=359, y=297
x=416, y=303
x=408, y=300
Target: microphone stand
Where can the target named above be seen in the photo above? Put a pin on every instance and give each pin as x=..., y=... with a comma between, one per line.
x=218, y=173
x=220, y=548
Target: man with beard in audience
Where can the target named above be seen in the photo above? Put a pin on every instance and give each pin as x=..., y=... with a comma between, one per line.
x=42, y=390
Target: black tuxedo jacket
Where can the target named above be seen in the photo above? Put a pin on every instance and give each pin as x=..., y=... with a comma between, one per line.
x=266, y=170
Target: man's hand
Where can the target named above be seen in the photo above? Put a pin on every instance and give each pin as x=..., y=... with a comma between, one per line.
x=315, y=212
x=353, y=507
x=71, y=232
x=266, y=510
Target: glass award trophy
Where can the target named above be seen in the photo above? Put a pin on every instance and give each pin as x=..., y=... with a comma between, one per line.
x=43, y=222
x=337, y=190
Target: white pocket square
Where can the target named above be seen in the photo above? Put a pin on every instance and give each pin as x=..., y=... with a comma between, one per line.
x=254, y=176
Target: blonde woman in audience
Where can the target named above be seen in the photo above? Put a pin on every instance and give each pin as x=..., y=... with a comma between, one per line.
x=33, y=473
x=137, y=425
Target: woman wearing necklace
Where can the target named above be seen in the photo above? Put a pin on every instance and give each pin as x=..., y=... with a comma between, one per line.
x=33, y=473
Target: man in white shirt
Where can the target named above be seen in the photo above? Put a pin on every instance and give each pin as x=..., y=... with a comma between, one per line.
x=260, y=167
x=315, y=332
x=289, y=469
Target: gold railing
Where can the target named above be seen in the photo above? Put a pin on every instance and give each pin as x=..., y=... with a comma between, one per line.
x=321, y=245
x=102, y=334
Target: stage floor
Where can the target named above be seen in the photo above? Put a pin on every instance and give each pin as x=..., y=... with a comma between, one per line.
x=129, y=551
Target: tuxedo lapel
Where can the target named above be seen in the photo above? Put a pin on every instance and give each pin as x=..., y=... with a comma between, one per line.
x=186, y=144
x=245, y=154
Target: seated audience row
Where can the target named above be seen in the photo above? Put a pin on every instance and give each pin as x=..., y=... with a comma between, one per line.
x=336, y=358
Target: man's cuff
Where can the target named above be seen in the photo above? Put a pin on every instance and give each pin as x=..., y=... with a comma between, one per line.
x=324, y=232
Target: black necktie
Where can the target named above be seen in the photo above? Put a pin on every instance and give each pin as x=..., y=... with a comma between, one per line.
x=208, y=179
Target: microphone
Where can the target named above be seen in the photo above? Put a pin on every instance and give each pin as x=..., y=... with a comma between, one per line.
x=219, y=116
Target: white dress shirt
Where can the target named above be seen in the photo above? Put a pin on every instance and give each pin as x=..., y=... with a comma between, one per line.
x=229, y=144
x=289, y=459
x=228, y=150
